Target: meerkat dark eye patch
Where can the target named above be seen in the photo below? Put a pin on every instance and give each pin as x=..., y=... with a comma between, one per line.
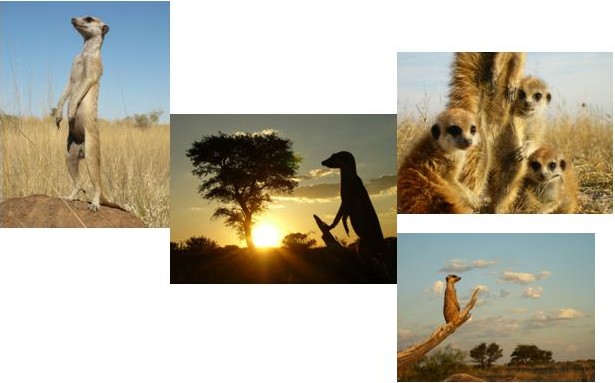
x=435, y=131
x=562, y=164
x=88, y=19
x=522, y=94
x=537, y=96
x=552, y=165
x=473, y=129
x=454, y=130
x=535, y=165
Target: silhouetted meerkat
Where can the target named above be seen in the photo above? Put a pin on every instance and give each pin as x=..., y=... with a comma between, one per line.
x=428, y=179
x=82, y=94
x=356, y=204
x=484, y=83
x=451, y=304
x=550, y=185
x=520, y=136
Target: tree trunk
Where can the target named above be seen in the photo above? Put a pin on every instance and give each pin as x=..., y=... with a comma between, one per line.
x=247, y=229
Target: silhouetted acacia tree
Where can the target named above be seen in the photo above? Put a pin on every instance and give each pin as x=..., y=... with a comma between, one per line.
x=298, y=241
x=530, y=354
x=200, y=245
x=240, y=171
x=484, y=355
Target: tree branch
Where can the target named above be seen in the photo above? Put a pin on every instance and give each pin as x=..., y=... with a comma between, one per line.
x=413, y=353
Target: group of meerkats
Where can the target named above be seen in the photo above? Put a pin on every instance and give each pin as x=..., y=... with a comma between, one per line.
x=486, y=151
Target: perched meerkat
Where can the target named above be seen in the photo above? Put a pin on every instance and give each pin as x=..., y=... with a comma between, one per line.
x=356, y=204
x=451, y=304
x=520, y=136
x=550, y=185
x=428, y=179
x=484, y=83
x=82, y=95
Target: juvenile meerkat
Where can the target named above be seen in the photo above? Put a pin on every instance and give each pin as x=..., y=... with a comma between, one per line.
x=521, y=136
x=550, y=185
x=82, y=94
x=451, y=304
x=428, y=179
x=484, y=83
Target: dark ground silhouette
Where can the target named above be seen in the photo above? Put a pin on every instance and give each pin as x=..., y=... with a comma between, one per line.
x=232, y=264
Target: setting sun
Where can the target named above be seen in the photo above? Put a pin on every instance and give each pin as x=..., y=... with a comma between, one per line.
x=266, y=235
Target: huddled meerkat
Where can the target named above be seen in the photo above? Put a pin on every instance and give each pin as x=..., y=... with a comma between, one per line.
x=451, y=304
x=550, y=185
x=82, y=95
x=520, y=136
x=484, y=83
x=428, y=178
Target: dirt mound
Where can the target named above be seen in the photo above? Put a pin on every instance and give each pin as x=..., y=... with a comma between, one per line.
x=44, y=211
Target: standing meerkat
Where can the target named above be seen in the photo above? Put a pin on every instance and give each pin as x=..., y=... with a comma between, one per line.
x=550, y=185
x=485, y=84
x=521, y=136
x=451, y=304
x=82, y=94
x=356, y=204
x=428, y=179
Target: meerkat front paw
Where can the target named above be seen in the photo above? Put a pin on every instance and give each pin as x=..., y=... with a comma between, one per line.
x=93, y=206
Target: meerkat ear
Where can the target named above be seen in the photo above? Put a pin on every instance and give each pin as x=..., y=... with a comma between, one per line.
x=435, y=131
x=562, y=164
x=548, y=97
x=105, y=29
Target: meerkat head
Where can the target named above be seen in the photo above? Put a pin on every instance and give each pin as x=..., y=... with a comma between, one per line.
x=455, y=129
x=452, y=278
x=532, y=97
x=340, y=160
x=546, y=164
x=89, y=26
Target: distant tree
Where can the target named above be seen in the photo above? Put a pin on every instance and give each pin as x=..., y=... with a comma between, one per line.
x=176, y=246
x=141, y=120
x=154, y=116
x=494, y=352
x=479, y=354
x=240, y=171
x=530, y=354
x=200, y=245
x=298, y=241
x=440, y=364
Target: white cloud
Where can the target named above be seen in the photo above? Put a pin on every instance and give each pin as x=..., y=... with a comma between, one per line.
x=569, y=314
x=455, y=266
x=532, y=292
x=437, y=288
x=523, y=278
x=482, y=263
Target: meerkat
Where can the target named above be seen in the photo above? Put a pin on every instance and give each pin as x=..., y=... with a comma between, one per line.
x=82, y=94
x=485, y=84
x=550, y=185
x=451, y=304
x=428, y=179
x=520, y=136
x=356, y=204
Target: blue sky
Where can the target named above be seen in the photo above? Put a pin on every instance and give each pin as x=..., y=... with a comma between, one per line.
x=537, y=289
x=39, y=44
x=371, y=138
x=573, y=78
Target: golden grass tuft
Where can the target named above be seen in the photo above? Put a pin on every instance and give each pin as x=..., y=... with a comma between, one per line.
x=135, y=164
x=586, y=139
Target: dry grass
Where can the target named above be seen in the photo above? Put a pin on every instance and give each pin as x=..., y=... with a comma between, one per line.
x=135, y=165
x=587, y=139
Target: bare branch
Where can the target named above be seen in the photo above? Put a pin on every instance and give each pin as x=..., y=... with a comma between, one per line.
x=413, y=353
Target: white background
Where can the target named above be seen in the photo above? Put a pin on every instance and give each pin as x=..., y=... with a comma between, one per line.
x=96, y=306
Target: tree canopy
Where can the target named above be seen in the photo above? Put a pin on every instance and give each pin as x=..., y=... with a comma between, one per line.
x=530, y=354
x=485, y=356
x=241, y=171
